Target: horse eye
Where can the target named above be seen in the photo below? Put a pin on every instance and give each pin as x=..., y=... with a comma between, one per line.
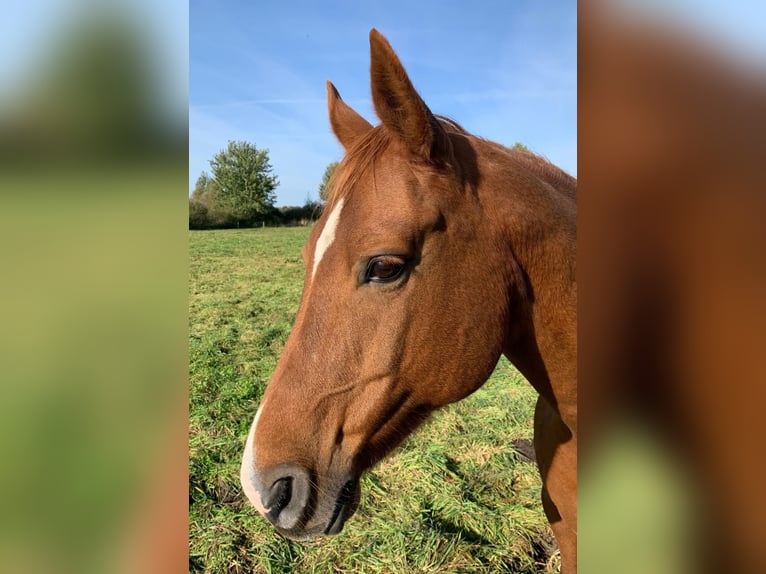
x=384, y=269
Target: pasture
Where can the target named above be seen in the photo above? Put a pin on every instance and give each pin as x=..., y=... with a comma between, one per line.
x=455, y=497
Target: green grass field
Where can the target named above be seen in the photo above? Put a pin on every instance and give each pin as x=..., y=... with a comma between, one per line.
x=454, y=498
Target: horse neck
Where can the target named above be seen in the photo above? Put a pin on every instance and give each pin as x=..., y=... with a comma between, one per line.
x=535, y=212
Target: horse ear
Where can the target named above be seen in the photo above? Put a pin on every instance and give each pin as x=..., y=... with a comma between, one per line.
x=399, y=106
x=347, y=125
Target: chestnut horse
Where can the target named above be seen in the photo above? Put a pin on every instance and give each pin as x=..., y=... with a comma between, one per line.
x=437, y=252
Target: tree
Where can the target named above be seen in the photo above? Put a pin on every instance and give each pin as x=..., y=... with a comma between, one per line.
x=91, y=95
x=244, y=182
x=205, y=195
x=202, y=187
x=198, y=218
x=520, y=147
x=313, y=208
x=323, y=191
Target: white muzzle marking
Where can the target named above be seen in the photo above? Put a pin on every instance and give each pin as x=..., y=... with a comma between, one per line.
x=247, y=470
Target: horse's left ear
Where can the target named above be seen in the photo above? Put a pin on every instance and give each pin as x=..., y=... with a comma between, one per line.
x=347, y=125
x=400, y=107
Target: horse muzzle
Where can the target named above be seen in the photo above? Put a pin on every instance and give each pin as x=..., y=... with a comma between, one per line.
x=290, y=498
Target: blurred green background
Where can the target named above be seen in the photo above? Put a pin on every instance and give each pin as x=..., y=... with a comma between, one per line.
x=93, y=195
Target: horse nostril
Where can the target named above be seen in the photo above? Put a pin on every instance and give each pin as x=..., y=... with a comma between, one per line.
x=284, y=495
x=279, y=496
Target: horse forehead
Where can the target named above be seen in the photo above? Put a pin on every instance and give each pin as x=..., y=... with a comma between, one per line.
x=327, y=236
x=387, y=203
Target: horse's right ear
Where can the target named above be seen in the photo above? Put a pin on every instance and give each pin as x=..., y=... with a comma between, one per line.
x=347, y=125
x=400, y=107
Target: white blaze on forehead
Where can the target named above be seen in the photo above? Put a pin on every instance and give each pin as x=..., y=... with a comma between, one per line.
x=327, y=236
x=247, y=470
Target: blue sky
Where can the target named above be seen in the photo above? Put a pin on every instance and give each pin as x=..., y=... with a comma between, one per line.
x=506, y=70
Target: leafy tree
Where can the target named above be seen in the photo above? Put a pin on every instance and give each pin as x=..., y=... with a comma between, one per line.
x=323, y=191
x=198, y=215
x=205, y=195
x=520, y=147
x=202, y=187
x=91, y=95
x=244, y=182
x=313, y=207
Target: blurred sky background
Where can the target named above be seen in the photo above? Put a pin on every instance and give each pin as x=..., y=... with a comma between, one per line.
x=506, y=71
x=33, y=31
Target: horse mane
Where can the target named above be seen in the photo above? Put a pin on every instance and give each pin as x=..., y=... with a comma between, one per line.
x=360, y=157
x=540, y=167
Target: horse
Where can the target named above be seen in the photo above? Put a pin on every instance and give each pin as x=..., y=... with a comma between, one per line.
x=437, y=252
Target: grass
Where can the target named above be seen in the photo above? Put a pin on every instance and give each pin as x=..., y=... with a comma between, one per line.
x=454, y=498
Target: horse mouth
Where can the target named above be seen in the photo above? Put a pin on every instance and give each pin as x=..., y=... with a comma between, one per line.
x=345, y=506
